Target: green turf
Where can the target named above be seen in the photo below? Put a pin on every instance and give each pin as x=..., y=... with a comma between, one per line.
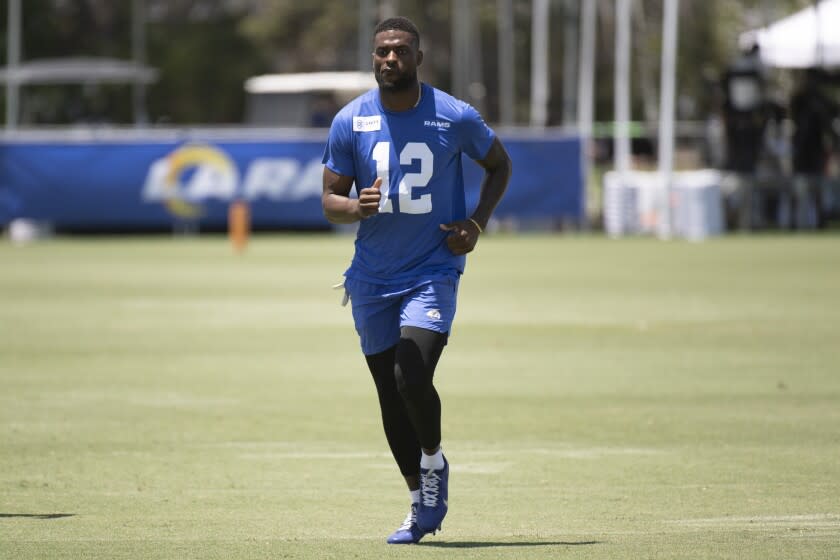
x=165, y=398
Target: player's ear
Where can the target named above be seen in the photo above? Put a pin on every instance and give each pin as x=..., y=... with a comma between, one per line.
x=419, y=57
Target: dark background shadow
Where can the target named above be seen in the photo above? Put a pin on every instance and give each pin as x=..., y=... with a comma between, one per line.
x=37, y=515
x=492, y=544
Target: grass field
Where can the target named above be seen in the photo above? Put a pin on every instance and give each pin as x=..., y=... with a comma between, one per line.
x=164, y=398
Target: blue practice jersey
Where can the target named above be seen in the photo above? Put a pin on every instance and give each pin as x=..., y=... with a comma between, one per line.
x=418, y=155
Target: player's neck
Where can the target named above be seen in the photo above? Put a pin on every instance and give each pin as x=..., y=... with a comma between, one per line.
x=404, y=100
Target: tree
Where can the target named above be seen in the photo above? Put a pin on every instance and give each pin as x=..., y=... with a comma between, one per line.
x=197, y=46
x=205, y=49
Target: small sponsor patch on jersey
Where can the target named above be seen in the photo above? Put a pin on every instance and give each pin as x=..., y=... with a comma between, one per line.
x=437, y=124
x=367, y=124
x=433, y=314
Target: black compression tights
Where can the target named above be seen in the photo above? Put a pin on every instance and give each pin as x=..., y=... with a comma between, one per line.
x=407, y=398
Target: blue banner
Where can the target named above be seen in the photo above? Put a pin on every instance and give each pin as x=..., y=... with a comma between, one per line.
x=113, y=185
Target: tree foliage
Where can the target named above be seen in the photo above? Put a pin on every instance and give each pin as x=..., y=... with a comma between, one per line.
x=205, y=49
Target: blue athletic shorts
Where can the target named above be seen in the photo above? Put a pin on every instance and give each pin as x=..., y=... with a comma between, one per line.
x=380, y=311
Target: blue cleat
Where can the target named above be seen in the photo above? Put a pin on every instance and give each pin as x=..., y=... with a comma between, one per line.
x=434, y=498
x=409, y=532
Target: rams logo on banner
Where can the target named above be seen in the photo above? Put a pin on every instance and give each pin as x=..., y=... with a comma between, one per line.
x=190, y=174
x=195, y=173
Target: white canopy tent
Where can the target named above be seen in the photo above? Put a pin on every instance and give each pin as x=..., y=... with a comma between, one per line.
x=301, y=99
x=809, y=38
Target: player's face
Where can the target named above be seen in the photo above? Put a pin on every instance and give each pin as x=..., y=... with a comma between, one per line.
x=395, y=59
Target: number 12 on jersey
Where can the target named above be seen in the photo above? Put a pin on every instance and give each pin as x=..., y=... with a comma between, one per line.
x=412, y=152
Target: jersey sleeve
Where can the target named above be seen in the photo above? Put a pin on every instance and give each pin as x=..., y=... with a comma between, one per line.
x=338, y=154
x=474, y=134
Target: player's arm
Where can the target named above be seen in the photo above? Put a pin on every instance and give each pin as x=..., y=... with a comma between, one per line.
x=339, y=208
x=497, y=167
x=463, y=234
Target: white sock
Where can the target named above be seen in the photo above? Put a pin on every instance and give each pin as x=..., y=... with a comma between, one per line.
x=415, y=496
x=434, y=462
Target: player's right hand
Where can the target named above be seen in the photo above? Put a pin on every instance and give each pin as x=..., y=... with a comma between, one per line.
x=369, y=199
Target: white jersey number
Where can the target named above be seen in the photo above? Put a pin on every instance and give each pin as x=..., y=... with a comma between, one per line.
x=413, y=151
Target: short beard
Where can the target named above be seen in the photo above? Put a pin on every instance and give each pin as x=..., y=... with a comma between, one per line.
x=401, y=84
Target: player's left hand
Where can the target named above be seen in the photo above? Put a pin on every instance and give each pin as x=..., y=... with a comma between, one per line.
x=463, y=235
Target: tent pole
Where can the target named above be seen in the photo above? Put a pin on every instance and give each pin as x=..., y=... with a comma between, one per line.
x=539, y=63
x=819, y=39
x=138, y=53
x=366, y=10
x=666, y=113
x=13, y=61
x=621, y=133
x=586, y=87
x=507, y=76
x=621, y=99
x=570, y=57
